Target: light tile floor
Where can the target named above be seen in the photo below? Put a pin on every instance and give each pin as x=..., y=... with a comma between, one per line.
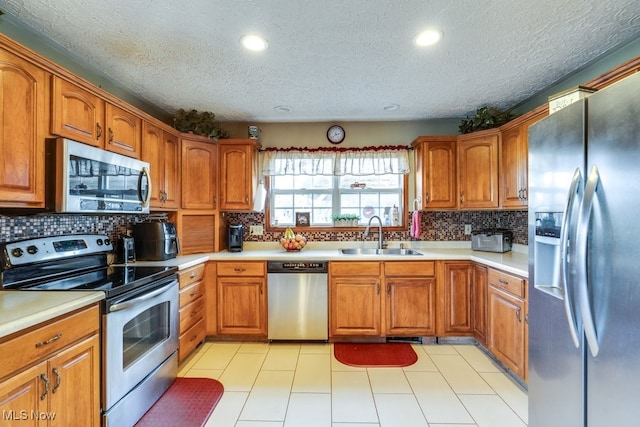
x=290, y=385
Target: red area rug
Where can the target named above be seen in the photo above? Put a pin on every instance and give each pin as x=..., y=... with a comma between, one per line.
x=187, y=403
x=375, y=354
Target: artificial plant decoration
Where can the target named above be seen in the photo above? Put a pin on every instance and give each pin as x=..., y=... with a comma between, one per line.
x=485, y=118
x=203, y=123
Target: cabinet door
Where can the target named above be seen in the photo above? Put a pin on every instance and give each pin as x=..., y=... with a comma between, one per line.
x=458, y=318
x=21, y=394
x=76, y=113
x=410, y=306
x=124, y=131
x=152, y=151
x=514, y=168
x=242, y=306
x=75, y=382
x=436, y=168
x=478, y=170
x=198, y=177
x=171, y=170
x=480, y=302
x=355, y=306
x=237, y=176
x=506, y=329
x=23, y=106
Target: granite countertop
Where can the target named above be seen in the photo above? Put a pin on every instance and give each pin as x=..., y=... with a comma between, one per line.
x=22, y=309
x=515, y=261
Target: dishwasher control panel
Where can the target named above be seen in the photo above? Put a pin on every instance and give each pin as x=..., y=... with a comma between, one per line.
x=297, y=267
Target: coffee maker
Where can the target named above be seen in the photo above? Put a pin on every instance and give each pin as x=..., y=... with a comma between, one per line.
x=235, y=233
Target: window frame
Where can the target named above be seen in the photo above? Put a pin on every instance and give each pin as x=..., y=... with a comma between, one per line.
x=399, y=228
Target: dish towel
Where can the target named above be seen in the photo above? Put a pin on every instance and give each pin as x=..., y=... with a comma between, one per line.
x=415, y=224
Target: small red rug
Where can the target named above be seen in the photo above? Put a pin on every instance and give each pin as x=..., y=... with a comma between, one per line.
x=375, y=354
x=187, y=403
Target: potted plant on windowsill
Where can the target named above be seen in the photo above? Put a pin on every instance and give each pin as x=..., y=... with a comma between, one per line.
x=345, y=220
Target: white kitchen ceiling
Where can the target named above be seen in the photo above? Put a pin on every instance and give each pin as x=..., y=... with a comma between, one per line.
x=332, y=60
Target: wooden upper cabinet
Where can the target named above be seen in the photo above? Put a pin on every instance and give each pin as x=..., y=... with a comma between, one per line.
x=199, y=173
x=436, y=171
x=478, y=169
x=76, y=113
x=514, y=158
x=123, y=131
x=24, y=90
x=238, y=173
x=161, y=150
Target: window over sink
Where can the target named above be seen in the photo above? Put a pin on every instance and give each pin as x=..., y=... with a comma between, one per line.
x=326, y=184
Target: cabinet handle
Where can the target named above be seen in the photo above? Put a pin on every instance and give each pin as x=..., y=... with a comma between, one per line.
x=45, y=380
x=526, y=318
x=426, y=198
x=260, y=289
x=462, y=197
x=98, y=131
x=378, y=288
x=54, y=338
x=193, y=313
x=192, y=275
x=193, y=293
x=58, y=379
x=110, y=136
x=518, y=314
x=524, y=194
x=503, y=282
x=238, y=269
x=388, y=289
x=246, y=199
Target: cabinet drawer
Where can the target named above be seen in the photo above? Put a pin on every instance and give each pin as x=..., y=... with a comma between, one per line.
x=190, y=314
x=191, y=275
x=409, y=268
x=507, y=282
x=241, y=269
x=31, y=347
x=190, y=339
x=354, y=268
x=191, y=293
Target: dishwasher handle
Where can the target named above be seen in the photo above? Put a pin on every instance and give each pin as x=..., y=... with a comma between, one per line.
x=297, y=267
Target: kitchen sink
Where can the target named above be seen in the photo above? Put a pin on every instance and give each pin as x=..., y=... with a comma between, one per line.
x=393, y=251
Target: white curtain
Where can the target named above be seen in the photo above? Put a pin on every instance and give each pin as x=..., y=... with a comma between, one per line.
x=357, y=162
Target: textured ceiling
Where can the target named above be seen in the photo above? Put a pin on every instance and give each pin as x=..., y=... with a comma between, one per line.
x=332, y=59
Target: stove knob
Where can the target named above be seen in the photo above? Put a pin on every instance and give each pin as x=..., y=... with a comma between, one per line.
x=99, y=242
x=32, y=249
x=17, y=252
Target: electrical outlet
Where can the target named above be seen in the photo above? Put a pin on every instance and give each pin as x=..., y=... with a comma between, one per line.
x=256, y=230
x=467, y=229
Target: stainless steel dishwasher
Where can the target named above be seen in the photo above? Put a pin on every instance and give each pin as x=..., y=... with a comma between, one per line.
x=298, y=300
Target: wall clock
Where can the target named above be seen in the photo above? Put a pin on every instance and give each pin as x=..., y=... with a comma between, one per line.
x=335, y=134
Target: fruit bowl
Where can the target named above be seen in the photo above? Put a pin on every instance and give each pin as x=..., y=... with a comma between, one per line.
x=293, y=244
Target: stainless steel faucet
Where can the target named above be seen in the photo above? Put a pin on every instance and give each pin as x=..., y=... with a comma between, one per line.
x=366, y=231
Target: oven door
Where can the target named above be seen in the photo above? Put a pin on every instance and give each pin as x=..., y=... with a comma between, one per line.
x=139, y=334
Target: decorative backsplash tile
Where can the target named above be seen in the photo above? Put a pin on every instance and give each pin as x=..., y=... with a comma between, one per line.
x=435, y=226
x=31, y=226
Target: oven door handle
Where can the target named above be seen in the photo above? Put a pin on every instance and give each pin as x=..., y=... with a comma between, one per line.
x=124, y=305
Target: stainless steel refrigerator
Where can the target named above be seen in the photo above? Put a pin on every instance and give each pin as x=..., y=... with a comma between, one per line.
x=584, y=262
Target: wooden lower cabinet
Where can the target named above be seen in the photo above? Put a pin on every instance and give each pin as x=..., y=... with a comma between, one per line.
x=457, y=315
x=506, y=336
x=410, y=299
x=354, y=299
x=192, y=309
x=242, y=298
x=479, y=304
x=58, y=385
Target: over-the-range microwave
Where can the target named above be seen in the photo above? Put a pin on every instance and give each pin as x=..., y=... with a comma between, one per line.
x=91, y=180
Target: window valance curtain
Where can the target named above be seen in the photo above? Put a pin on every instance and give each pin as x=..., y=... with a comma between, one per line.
x=336, y=162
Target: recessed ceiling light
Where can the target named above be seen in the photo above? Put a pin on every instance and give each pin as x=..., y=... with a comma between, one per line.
x=428, y=37
x=390, y=107
x=253, y=42
x=282, y=108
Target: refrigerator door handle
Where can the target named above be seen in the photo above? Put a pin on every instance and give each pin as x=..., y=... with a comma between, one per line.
x=565, y=257
x=590, y=188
